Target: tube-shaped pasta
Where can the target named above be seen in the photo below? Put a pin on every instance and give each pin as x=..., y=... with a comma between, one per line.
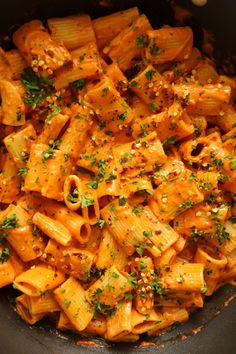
x=225, y=121
x=213, y=266
x=140, y=108
x=113, y=287
x=42, y=304
x=141, y=323
x=108, y=27
x=22, y=308
x=52, y=228
x=37, y=173
x=185, y=276
x=75, y=135
x=163, y=236
x=89, y=204
x=137, y=190
x=71, y=298
x=180, y=299
x=144, y=155
x=204, y=100
x=171, y=199
x=27, y=246
x=173, y=122
x=17, y=63
x=125, y=56
x=143, y=269
x=31, y=39
x=127, y=227
x=72, y=192
x=171, y=169
x=170, y=315
x=7, y=272
x=18, y=143
x=52, y=128
x=12, y=107
x=97, y=326
x=109, y=105
x=75, y=223
x=185, y=66
x=152, y=88
x=70, y=260
x=72, y=31
x=180, y=244
x=168, y=44
x=64, y=323
x=187, y=221
x=115, y=74
x=21, y=236
x=110, y=252
x=85, y=63
x=16, y=262
x=47, y=170
x=205, y=73
x=9, y=181
x=38, y=279
x=5, y=69
x=120, y=324
x=166, y=259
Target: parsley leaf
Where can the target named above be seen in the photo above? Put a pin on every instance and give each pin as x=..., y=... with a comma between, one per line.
x=141, y=41
x=4, y=255
x=86, y=202
x=22, y=172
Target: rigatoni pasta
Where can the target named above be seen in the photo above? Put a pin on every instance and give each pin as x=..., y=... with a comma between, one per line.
x=117, y=175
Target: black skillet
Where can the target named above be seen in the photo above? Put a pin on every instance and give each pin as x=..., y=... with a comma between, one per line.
x=215, y=325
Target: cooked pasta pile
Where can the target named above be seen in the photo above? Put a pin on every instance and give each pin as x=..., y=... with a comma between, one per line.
x=118, y=172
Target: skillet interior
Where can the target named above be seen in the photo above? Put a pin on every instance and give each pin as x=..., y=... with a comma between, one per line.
x=218, y=333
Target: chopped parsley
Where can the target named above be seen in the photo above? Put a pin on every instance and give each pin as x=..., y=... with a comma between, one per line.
x=147, y=234
x=73, y=198
x=233, y=165
x=55, y=110
x=101, y=223
x=49, y=154
x=19, y=116
x=122, y=116
x=104, y=91
x=186, y=205
x=192, y=176
x=122, y=201
x=152, y=107
x=4, y=255
x=22, y=172
x=215, y=161
x=36, y=88
x=149, y=74
x=176, y=70
x=111, y=177
x=137, y=210
x=86, y=202
x=79, y=84
x=141, y=41
x=140, y=249
x=197, y=132
x=143, y=266
x=154, y=48
x=66, y=156
x=167, y=142
x=67, y=303
x=8, y=223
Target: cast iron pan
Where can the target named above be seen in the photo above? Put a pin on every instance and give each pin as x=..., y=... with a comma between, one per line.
x=211, y=330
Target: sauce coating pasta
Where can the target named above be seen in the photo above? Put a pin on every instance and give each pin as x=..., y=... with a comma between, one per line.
x=118, y=174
